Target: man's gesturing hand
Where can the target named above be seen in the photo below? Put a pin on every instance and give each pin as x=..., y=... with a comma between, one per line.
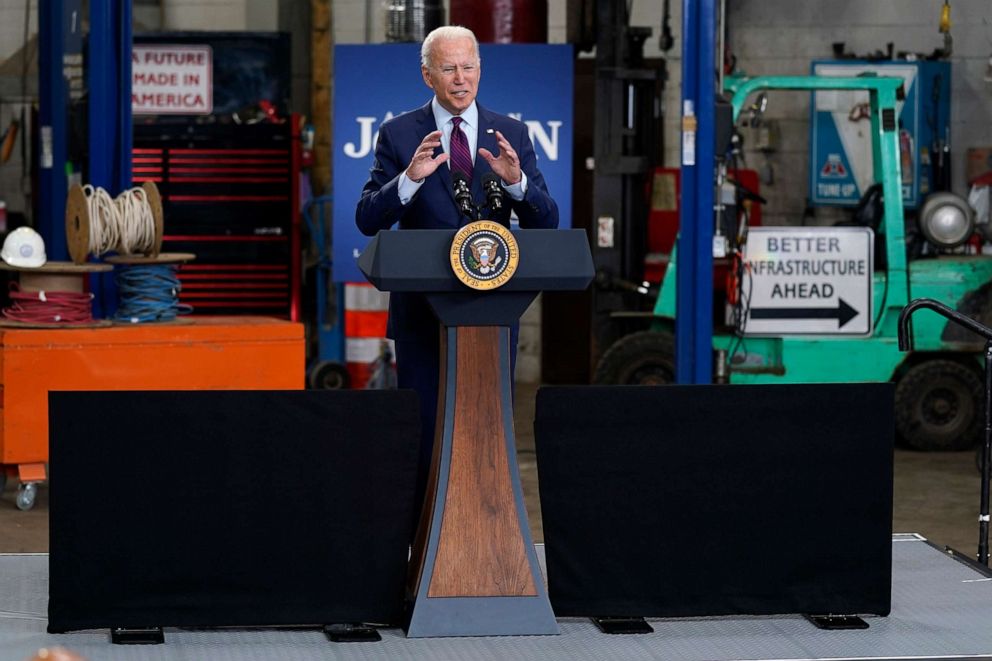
x=507, y=165
x=423, y=163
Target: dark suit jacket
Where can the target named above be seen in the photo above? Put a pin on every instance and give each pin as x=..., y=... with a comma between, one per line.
x=433, y=207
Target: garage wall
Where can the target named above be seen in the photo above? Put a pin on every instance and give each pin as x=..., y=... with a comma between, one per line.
x=11, y=40
x=204, y=15
x=780, y=37
x=12, y=25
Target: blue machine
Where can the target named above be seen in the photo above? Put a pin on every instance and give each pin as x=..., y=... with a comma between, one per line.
x=840, y=140
x=327, y=369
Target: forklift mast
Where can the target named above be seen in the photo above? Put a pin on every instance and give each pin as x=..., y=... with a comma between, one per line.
x=883, y=93
x=627, y=147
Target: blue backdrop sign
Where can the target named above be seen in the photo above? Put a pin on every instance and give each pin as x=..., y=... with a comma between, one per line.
x=372, y=83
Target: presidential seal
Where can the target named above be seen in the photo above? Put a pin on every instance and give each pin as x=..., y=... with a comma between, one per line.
x=484, y=255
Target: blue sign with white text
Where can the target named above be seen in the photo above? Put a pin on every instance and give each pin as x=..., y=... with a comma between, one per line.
x=372, y=83
x=841, y=157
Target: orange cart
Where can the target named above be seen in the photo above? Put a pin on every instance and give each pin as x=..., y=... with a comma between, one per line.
x=202, y=353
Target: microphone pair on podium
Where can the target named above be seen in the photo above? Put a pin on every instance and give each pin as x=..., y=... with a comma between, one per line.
x=463, y=194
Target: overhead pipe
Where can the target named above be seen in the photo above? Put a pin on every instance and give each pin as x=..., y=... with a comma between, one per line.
x=412, y=20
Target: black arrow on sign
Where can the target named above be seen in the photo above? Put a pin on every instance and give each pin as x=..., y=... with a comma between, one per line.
x=843, y=313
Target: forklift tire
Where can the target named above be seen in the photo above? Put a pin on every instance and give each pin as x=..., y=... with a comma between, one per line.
x=329, y=376
x=646, y=358
x=940, y=406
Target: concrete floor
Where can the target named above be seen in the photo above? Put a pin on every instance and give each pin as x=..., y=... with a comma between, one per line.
x=936, y=494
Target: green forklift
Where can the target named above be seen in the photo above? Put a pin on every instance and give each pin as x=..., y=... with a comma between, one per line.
x=939, y=393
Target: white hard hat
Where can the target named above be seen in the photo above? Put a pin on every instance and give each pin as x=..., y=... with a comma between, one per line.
x=24, y=247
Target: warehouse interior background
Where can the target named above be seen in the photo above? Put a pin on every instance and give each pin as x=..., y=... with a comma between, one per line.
x=776, y=38
x=935, y=492
x=773, y=38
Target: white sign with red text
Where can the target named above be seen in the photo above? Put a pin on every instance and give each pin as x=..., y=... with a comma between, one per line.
x=172, y=80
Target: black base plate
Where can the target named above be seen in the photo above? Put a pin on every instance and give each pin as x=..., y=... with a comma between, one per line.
x=137, y=636
x=622, y=625
x=351, y=633
x=837, y=622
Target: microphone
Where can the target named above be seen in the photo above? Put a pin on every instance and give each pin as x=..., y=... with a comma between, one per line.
x=463, y=193
x=494, y=192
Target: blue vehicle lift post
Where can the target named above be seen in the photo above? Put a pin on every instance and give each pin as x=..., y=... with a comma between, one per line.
x=694, y=317
x=55, y=22
x=108, y=79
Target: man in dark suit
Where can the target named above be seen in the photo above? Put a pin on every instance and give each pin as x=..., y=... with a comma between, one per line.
x=410, y=183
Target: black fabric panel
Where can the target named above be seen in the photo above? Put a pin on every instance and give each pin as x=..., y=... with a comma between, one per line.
x=222, y=508
x=716, y=500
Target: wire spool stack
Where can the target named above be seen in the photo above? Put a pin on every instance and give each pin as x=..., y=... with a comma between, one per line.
x=52, y=296
x=148, y=288
x=131, y=226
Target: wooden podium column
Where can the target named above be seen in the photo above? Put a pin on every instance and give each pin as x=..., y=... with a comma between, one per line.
x=474, y=571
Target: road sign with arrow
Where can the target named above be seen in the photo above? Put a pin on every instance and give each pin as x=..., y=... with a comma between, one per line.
x=808, y=280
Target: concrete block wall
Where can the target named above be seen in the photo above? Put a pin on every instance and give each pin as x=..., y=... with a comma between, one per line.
x=355, y=24
x=204, y=15
x=12, y=185
x=12, y=25
x=779, y=37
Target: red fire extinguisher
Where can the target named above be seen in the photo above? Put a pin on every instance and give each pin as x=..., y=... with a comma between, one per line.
x=906, y=155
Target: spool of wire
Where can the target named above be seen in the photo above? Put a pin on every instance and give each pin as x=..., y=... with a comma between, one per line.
x=97, y=224
x=54, y=307
x=148, y=293
x=53, y=295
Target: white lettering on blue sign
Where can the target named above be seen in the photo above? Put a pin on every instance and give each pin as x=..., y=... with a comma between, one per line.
x=541, y=139
x=545, y=139
x=366, y=138
x=828, y=190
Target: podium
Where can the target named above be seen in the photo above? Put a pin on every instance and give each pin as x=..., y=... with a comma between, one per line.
x=473, y=570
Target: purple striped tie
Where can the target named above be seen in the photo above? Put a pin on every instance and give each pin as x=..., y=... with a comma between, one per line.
x=461, y=158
